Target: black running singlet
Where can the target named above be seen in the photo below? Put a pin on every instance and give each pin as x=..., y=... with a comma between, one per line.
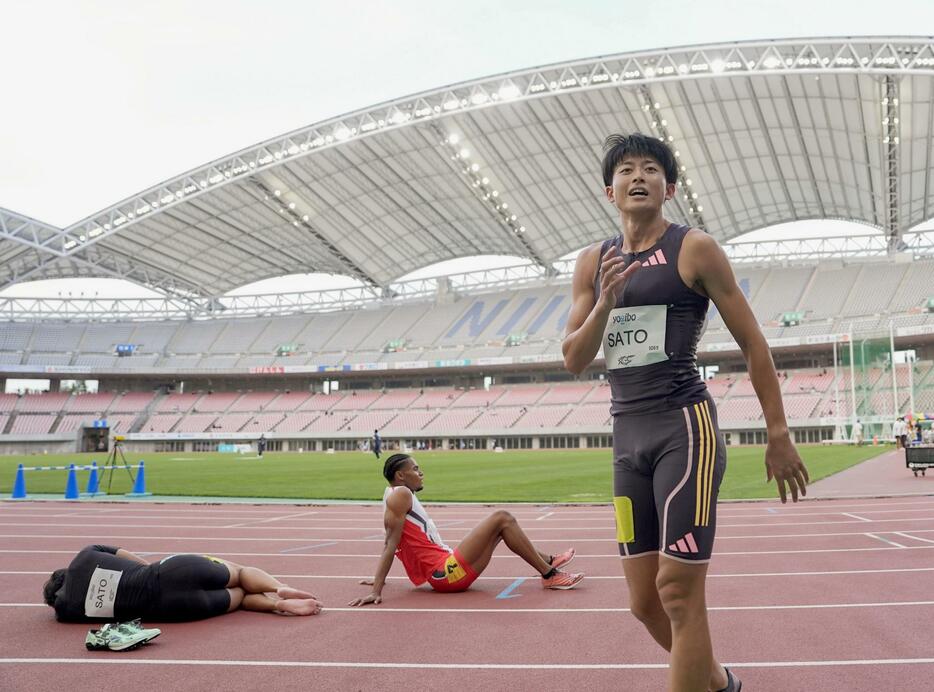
x=650, y=341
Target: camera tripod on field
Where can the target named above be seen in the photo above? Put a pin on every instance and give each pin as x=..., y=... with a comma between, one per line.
x=111, y=463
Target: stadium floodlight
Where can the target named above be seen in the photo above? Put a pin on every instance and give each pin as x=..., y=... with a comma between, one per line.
x=465, y=153
x=342, y=133
x=451, y=104
x=772, y=62
x=509, y=91
x=479, y=98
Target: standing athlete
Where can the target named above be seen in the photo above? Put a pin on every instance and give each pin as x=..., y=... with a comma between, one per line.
x=413, y=536
x=643, y=296
x=377, y=444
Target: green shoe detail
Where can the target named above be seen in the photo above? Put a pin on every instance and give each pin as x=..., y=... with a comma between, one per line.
x=124, y=636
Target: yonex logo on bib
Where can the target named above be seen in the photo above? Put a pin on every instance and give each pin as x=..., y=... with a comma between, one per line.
x=635, y=336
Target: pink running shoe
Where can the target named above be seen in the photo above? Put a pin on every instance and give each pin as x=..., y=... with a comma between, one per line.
x=562, y=580
x=559, y=561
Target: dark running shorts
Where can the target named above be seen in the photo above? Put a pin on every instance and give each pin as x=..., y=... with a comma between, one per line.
x=191, y=587
x=667, y=469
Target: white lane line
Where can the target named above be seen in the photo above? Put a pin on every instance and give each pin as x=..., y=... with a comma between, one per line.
x=373, y=538
x=557, y=529
x=457, y=666
x=454, y=666
x=886, y=540
x=590, y=577
x=916, y=538
x=855, y=516
x=322, y=511
x=246, y=524
x=373, y=556
x=506, y=610
x=545, y=516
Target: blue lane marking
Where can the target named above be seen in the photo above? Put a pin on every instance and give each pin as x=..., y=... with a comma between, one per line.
x=375, y=535
x=509, y=589
x=772, y=510
x=308, y=547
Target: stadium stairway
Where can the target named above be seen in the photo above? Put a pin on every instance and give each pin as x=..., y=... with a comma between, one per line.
x=144, y=415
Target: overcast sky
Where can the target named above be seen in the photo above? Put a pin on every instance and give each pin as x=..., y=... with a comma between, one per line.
x=104, y=99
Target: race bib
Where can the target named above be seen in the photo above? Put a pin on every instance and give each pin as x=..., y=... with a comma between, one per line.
x=102, y=593
x=635, y=336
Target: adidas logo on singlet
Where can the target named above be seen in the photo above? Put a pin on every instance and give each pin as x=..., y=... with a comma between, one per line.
x=655, y=259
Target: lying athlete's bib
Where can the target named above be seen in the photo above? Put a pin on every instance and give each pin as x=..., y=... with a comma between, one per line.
x=635, y=336
x=102, y=593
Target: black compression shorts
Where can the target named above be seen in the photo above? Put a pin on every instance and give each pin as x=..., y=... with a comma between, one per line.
x=667, y=469
x=191, y=587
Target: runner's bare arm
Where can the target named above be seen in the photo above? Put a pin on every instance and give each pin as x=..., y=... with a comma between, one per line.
x=398, y=503
x=709, y=270
x=587, y=318
x=127, y=555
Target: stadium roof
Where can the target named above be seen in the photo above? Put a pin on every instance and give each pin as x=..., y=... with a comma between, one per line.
x=765, y=132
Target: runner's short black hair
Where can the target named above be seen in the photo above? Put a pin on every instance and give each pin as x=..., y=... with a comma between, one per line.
x=393, y=464
x=52, y=586
x=618, y=147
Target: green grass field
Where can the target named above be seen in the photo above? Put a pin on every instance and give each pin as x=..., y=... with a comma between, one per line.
x=577, y=475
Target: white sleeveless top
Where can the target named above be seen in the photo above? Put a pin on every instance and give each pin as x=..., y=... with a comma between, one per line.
x=418, y=517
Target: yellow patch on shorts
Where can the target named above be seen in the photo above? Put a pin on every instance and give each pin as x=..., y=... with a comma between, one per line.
x=625, y=525
x=453, y=571
x=214, y=559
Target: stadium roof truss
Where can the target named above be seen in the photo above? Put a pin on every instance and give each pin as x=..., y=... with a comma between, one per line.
x=764, y=133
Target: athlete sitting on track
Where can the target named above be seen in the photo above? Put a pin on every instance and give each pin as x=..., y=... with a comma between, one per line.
x=412, y=536
x=104, y=583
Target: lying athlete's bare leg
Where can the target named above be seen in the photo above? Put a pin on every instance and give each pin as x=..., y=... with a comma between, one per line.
x=270, y=603
x=256, y=581
x=477, y=548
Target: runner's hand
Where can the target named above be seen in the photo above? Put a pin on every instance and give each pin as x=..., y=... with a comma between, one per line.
x=784, y=465
x=373, y=598
x=613, y=277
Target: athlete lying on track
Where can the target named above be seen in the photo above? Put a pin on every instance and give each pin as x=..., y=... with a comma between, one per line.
x=412, y=535
x=104, y=583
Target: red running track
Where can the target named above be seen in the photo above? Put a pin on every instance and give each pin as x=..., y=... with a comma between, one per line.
x=827, y=595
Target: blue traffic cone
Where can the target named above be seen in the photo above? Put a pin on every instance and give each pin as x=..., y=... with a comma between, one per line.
x=93, y=481
x=19, y=485
x=71, y=487
x=139, y=487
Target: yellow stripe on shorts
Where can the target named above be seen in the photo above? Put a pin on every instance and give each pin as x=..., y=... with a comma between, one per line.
x=701, y=467
x=625, y=525
x=712, y=454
